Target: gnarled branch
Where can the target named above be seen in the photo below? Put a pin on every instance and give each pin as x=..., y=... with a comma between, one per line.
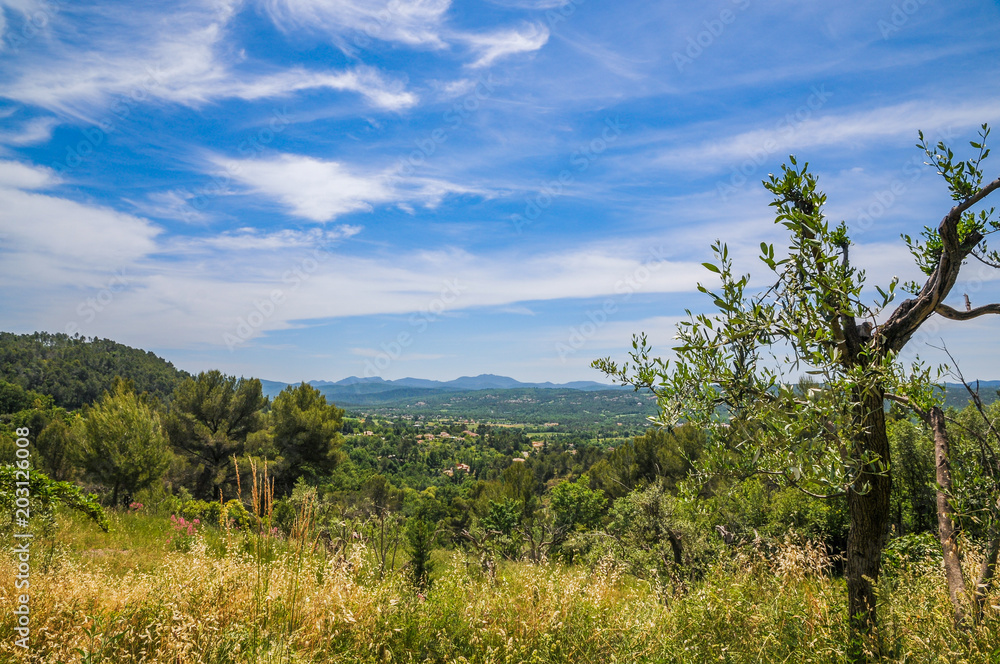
x=955, y=314
x=911, y=313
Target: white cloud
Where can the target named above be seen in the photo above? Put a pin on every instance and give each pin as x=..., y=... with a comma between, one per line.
x=534, y=4
x=21, y=176
x=57, y=229
x=251, y=239
x=415, y=23
x=313, y=189
x=452, y=280
x=492, y=46
x=323, y=190
x=184, y=60
x=519, y=310
x=171, y=204
x=191, y=292
x=812, y=128
x=36, y=130
x=366, y=81
x=422, y=23
x=52, y=250
x=27, y=9
x=55, y=252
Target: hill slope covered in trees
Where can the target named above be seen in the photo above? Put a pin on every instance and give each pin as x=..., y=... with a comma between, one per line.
x=76, y=371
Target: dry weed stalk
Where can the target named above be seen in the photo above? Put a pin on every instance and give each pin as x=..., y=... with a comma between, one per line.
x=797, y=559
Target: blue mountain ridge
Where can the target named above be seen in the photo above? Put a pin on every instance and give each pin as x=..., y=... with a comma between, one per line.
x=355, y=390
x=355, y=386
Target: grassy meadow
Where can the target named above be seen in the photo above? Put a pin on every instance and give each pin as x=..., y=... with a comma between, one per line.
x=153, y=590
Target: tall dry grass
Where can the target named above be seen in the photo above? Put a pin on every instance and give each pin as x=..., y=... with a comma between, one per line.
x=142, y=602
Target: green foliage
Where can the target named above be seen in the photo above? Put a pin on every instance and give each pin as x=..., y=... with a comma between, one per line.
x=652, y=535
x=819, y=519
x=499, y=528
x=207, y=512
x=306, y=433
x=964, y=179
x=14, y=398
x=283, y=516
x=76, y=371
x=723, y=379
x=756, y=507
x=420, y=536
x=382, y=496
x=45, y=495
x=60, y=446
x=576, y=506
x=909, y=549
x=519, y=485
x=125, y=448
x=975, y=462
x=659, y=454
x=913, y=499
x=209, y=421
x=234, y=514
x=57, y=437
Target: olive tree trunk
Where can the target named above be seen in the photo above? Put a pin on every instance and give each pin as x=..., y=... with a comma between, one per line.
x=869, y=508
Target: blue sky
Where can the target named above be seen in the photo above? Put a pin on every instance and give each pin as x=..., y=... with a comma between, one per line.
x=307, y=189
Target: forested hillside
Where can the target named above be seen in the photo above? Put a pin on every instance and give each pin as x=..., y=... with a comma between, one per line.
x=75, y=371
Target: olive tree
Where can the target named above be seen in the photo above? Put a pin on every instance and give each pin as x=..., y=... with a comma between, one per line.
x=731, y=369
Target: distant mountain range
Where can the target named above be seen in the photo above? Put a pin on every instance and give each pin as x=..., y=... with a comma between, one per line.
x=75, y=371
x=354, y=390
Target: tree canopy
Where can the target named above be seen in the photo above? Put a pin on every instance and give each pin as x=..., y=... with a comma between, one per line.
x=209, y=421
x=307, y=434
x=125, y=445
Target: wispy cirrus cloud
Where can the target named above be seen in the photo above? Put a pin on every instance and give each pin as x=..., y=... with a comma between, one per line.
x=186, y=60
x=417, y=23
x=30, y=132
x=380, y=90
x=490, y=47
x=356, y=23
x=187, y=291
x=532, y=4
x=833, y=128
x=253, y=239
